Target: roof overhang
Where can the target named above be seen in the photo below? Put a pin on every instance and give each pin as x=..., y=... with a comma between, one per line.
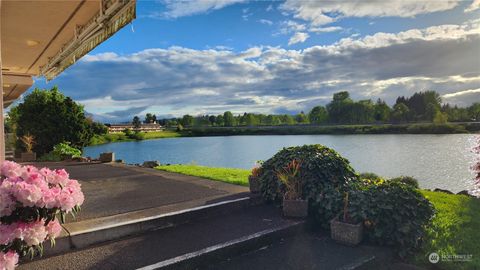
x=43, y=38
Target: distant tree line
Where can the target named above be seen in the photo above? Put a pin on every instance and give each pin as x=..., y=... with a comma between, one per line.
x=420, y=107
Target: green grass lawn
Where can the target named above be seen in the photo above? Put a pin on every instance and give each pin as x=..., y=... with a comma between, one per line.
x=455, y=230
x=161, y=134
x=121, y=137
x=228, y=175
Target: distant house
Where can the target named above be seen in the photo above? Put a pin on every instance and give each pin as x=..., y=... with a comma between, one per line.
x=144, y=127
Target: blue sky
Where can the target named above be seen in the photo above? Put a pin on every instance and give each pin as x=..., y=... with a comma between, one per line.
x=208, y=56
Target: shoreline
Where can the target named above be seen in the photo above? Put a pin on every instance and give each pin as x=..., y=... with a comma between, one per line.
x=413, y=128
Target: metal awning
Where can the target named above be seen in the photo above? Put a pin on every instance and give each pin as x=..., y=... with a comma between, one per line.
x=43, y=38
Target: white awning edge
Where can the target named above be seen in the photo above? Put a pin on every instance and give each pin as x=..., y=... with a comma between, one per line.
x=113, y=16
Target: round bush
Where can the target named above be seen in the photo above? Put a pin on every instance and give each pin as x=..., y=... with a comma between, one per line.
x=325, y=174
x=394, y=213
x=408, y=180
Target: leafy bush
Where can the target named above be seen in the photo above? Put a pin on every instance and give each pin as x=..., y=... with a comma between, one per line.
x=137, y=136
x=370, y=178
x=408, y=180
x=394, y=214
x=61, y=151
x=326, y=177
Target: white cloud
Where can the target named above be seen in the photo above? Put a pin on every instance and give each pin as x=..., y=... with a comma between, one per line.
x=265, y=21
x=298, y=37
x=320, y=12
x=263, y=79
x=463, y=98
x=181, y=8
x=474, y=6
x=464, y=92
x=325, y=29
x=287, y=27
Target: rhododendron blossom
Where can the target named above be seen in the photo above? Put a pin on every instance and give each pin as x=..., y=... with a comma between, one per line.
x=31, y=200
x=8, y=260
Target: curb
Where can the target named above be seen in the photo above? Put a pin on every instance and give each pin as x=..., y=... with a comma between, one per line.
x=83, y=236
x=220, y=252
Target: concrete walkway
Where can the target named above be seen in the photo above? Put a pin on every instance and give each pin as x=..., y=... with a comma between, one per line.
x=112, y=189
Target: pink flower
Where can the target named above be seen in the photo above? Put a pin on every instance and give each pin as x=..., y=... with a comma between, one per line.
x=49, y=197
x=10, y=169
x=58, y=177
x=7, y=234
x=26, y=193
x=8, y=260
x=7, y=204
x=54, y=229
x=74, y=188
x=65, y=201
x=32, y=233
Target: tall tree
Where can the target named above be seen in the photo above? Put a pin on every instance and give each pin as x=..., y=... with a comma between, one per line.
x=400, y=113
x=301, y=118
x=474, y=111
x=251, y=119
x=51, y=118
x=228, y=119
x=318, y=115
x=382, y=111
x=187, y=120
x=212, y=119
x=136, y=122
x=340, y=108
x=148, y=118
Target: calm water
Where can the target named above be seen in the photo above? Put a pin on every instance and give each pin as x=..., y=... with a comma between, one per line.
x=441, y=161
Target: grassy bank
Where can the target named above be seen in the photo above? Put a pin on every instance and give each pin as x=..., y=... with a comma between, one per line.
x=454, y=230
x=426, y=128
x=121, y=137
x=228, y=175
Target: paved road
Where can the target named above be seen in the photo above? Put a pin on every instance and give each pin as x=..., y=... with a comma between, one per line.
x=115, y=189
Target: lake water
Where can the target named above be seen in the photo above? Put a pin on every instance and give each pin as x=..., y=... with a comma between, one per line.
x=441, y=161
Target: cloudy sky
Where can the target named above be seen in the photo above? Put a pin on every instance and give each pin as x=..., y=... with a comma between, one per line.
x=209, y=56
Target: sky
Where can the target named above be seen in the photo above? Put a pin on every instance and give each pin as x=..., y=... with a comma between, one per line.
x=209, y=56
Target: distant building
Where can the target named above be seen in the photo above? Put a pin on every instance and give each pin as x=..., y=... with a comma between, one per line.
x=113, y=128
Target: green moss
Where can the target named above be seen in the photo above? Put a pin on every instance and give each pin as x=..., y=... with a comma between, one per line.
x=455, y=230
x=228, y=175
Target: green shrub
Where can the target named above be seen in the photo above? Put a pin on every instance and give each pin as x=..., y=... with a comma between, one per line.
x=137, y=136
x=394, y=213
x=128, y=132
x=60, y=151
x=370, y=179
x=408, y=180
x=326, y=177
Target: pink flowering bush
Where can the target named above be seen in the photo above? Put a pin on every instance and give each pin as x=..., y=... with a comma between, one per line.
x=33, y=204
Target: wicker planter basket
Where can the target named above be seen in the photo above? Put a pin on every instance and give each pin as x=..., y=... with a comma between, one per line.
x=254, y=184
x=295, y=208
x=346, y=233
x=28, y=156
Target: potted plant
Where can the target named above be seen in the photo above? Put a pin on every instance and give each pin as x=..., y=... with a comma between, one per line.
x=254, y=181
x=345, y=229
x=28, y=141
x=293, y=204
